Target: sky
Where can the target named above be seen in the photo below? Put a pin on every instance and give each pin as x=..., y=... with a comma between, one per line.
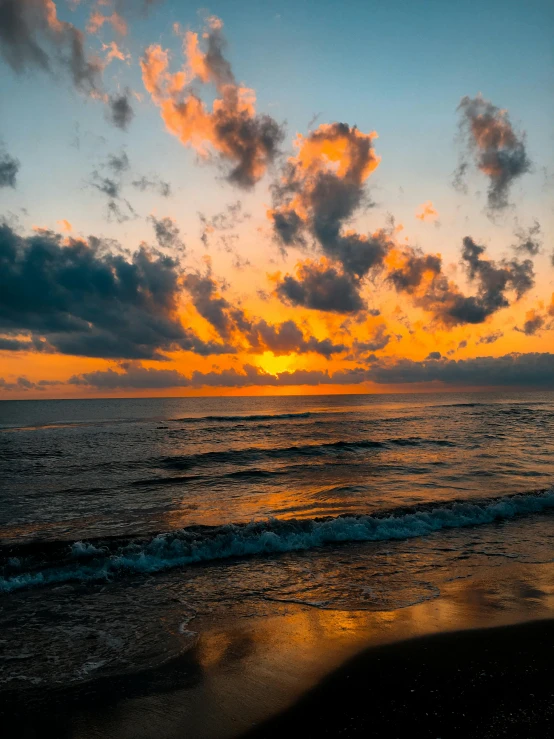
x=275, y=198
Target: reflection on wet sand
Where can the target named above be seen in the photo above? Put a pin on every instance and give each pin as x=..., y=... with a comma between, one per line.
x=251, y=668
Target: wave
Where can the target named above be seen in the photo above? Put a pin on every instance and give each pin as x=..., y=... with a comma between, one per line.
x=239, y=419
x=251, y=454
x=93, y=561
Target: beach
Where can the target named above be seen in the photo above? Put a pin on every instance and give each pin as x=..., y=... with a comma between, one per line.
x=211, y=568
x=474, y=662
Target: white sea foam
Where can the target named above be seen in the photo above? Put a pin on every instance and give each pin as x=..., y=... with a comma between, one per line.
x=187, y=547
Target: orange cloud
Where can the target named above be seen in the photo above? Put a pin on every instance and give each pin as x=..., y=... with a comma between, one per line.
x=426, y=212
x=97, y=21
x=231, y=129
x=114, y=52
x=65, y=225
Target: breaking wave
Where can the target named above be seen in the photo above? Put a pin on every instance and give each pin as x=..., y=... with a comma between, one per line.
x=100, y=560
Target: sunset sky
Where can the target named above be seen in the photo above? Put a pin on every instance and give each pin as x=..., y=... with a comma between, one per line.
x=275, y=197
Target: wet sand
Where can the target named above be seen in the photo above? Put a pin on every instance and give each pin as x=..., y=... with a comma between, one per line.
x=311, y=672
x=480, y=684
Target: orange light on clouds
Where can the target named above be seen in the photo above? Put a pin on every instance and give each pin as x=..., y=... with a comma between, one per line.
x=426, y=212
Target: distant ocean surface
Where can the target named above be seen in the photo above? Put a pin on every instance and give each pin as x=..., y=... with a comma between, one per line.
x=123, y=521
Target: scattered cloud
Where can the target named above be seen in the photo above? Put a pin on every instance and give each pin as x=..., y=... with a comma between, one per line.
x=244, y=142
x=120, y=111
x=426, y=212
x=33, y=37
x=153, y=184
x=167, y=233
x=499, y=152
x=421, y=276
x=529, y=241
x=9, y=167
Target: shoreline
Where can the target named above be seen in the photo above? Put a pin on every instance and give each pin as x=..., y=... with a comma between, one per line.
x=480, y=684
x=251, y=674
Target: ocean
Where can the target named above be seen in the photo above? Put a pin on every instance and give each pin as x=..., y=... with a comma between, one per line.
x=127, y=524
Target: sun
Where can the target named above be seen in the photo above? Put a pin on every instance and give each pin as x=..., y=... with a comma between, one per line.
x=275, y=365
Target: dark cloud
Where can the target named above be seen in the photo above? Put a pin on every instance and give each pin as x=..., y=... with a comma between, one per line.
x=227, y=219
x=499, y=151
x=14, y=345
x=32, y=37
x=529, y=240
x=9, y=167
x=434, y=355
x=133, y=375
x=534, y=322
x=244, y=142
x=167, y=233
x=23, y=383
x=379, y=340
x=321, y=287
x=85, y=300
x=118, y=208
x=118, y=163
x=250, y=334
x=319, y=192
x=106, y=185
x=490, y=338
x=120, y=212
x=120, y=111
x=315, y=199
x=421, y=276
x=532, y=370
x=515, y=370
x=208, y=301
x=287, y=338
x=153, y=184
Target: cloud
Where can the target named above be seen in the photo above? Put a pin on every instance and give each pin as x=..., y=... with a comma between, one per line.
x=247, y=333
x=529, y=240
x=532, y=370
x=120, y=111
x=538, y=319
x=23, y=383
x=510, y=370
x=241, y=140
x=317, y=195
x=421, y=276
x=115, y=20
x=498, y=151
x=118, y=208
x=533, y=323
x=134, y=375
x=228, y=218
x=32, y=37
x=65, y=225
x=84, y=300
x=321, y=286
x=9, y=167
x=426, y=212
x=212, y=306
x=114, y=52
x=288, y=338
x=167, y=233
x=490, y=338
x=319, y=191
x=153, y=184
x=118, y=163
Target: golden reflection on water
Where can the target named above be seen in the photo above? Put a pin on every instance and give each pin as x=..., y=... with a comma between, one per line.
x=249, y=668
x=288, y=653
